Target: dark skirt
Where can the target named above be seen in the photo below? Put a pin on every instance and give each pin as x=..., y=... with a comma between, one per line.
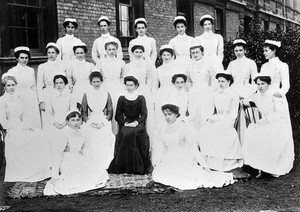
x=131, y=151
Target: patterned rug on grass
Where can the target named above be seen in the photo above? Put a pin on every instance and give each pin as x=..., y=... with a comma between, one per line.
x=117, y=184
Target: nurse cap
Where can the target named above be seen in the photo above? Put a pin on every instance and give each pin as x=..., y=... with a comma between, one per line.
x=180, y=17
x=166, y=46
x=195, y=44
x=104, y=18
x=21, y=48
x=79, y=43
x=52, y=44
x=70, y=20
x=140, y=20
x=273, y=42
x=72, y=110
x=239, y=41
x=224, y=74
x=206, y=17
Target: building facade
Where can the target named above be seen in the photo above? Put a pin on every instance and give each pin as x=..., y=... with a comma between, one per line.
x=34, y=23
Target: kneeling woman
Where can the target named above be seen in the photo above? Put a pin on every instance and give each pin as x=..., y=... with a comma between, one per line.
x=218, y=140
x=73, y=172
x=132, y=144
x=27, y=150
x=178, y=162
x=268, y=145
x=97, y=111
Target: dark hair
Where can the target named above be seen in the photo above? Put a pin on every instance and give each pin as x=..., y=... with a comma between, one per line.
x=272, y=47
x=140, y=22
x=64, y=78
x=65, y=24
x=135, y=47
x=83, y=47
x=53, y=47
x=131, y=79
x=17, y=53
x=111, y=43
x=108, y=23
x=195, y=47
x=226, y=76
x=240, y=44
x=172, y=108
x=96, y=74
x=266, y=79
x=171, y=51
x=180, y=21
x=72, y=115
x=183, y=76
x=6, y=78
x=206, y=19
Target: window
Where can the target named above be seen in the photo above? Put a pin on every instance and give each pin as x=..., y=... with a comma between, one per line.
x=219, y=21
x=29, y=23
x=247, y=24
x=185, y=8
x=127, y=12
x=266, y=25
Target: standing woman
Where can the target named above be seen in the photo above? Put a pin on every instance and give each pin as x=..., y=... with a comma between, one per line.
x=218, y=140
x=140, y=25
x=268, y=145
x=26, y=85
x=132, y=147
x=212, y=43
x=27, y=149
x=45, y=75
x=79, y=72
x=181, y=44
x=66, y=43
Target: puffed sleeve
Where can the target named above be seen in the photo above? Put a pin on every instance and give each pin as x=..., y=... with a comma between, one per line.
x=144, y=111
x=109, y=108
x=129, y=50
x=119, y=51
x=153, y=50
x=220, y=50
x=285, y=78
x=59, y=44
x=3, y=115
x=119, y=113
x=40, y=82
x=95, y=53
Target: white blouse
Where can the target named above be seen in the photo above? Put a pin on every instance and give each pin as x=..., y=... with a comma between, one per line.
x=148, y=43
x=65, y=45
x=111, y=69
x=24, y=75
x=181, y=45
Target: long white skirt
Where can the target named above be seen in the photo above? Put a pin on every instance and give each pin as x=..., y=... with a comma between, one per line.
x=27, y=156
x=180, y=170
x=269, y=147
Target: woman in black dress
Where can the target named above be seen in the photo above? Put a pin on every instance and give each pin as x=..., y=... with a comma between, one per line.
x=132, y=144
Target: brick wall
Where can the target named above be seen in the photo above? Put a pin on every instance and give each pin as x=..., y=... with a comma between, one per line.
x=160, y=16
x=86, y=14
x=199, y=10
x=232, y=24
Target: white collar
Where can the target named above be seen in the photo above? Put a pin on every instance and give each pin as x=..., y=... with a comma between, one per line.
x=64, y=93
x=105, y=35
x=132, y=96
x=21, y=66
x=208, y=33
x=274, y=60
x=69, y=36
x=9, y=97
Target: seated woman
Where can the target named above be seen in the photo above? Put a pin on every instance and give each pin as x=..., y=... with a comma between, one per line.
x=180, y=163
x=218, y=140
x=27, y=149
x=268, y=145
x=73, y=172
x=132, y=144
x=97, y=111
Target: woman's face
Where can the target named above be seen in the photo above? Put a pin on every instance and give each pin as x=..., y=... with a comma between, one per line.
x=239, y=51
x=138, y=54
x=79, y=54
x=96, y=83
x=51, y=54
x=262, y=86
x=111, y=50
x=23, y=59
x=10, y=87
x=180, y=28
x=74, y=122
x=196, y=54
x=170, y=116
x=166, y=56
x=269, y=53
x=70, y=29
x=223, y=83
x=141, y=29
x=130, y=86
x=207, y=26
x=103, y=27
x=179, y=83
x=59, y=84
